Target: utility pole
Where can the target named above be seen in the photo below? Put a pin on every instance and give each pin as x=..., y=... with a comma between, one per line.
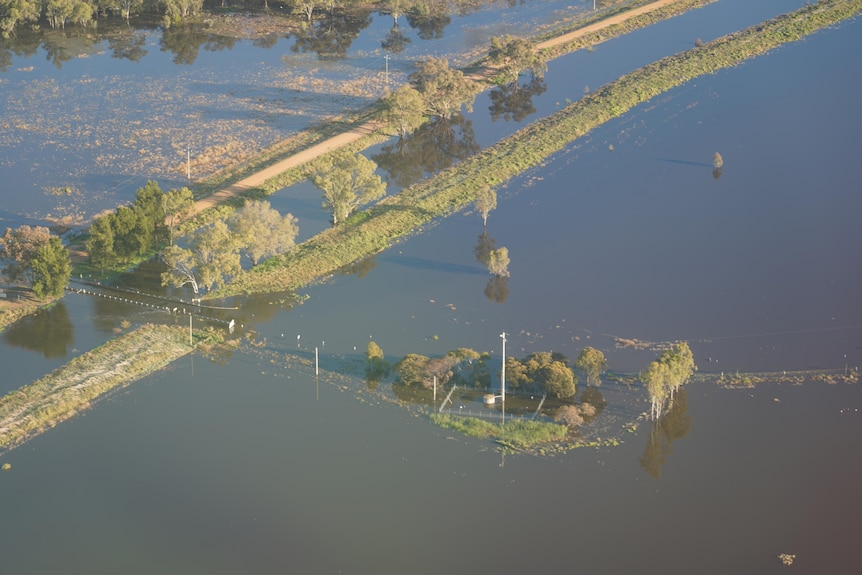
x=190, y=329
x=386, y=57
x=503, y=377
x=189, y=164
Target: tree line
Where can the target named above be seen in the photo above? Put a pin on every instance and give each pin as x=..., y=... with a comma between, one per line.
x=539, y=372
x=429, y=17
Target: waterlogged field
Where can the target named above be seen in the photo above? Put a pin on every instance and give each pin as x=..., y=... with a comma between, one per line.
x=82, y=134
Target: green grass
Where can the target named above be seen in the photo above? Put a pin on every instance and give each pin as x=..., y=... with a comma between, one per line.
x=517, y=434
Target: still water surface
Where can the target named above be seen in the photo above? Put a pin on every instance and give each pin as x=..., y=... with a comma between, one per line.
x=247, y=466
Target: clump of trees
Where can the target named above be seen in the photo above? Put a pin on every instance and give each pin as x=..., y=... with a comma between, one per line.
x=542, y=372
x=134, y=231
x=36, y=256
x=666, y=375
x=462, y=366
x=213, y=254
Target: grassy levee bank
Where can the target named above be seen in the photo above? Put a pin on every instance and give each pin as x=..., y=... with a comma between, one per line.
x=71, y=388
x=394, y=217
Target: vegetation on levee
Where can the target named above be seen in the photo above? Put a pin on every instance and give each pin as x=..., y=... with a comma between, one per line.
x=377, y=228
x=71, y=388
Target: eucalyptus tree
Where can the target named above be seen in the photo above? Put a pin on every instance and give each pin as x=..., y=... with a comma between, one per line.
x=664, y=376
x=262, y=231
x=15, y=12
x=348, y=181
x=486, y=201
x=498, y=262
x=402, y=110
x=211, y=258
x=513, y=56
x=592, y=362
x=444, y=90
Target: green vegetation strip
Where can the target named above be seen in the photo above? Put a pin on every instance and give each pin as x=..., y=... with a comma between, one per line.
x=58, y=396
x=518, y=434
x=375, y=229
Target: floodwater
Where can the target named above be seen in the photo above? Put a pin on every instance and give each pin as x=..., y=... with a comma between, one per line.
x=247, y=465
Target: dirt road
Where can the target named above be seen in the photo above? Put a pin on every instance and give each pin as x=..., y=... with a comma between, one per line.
x=351, y=136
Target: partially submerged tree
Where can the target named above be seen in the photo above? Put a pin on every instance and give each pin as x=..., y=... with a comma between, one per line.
x=411, y=369
x=486, y=201
x=498, y=262
x=666, y=375
x=592, y=362
x=542, y=371
x=444, y=90
x=348, y=181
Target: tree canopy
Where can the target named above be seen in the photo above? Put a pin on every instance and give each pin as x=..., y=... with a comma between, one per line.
x=52, y=268
x=512, y=56
x=444, y=90
x=36, y=256
x=348, y=181
x=664, y=376
x=542, y=371
x=592, y=362
x=403, y=110
x=213, y=253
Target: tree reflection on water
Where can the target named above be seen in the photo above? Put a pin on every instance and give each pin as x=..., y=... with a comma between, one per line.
x=49, y=332
x=673, y=425
x=430, y=149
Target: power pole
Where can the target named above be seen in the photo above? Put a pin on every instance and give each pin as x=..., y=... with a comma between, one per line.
x=189, y=164
x=503, y=377
x=386, y=57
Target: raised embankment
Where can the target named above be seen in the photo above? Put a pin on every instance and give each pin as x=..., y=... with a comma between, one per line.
x=71, y=388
